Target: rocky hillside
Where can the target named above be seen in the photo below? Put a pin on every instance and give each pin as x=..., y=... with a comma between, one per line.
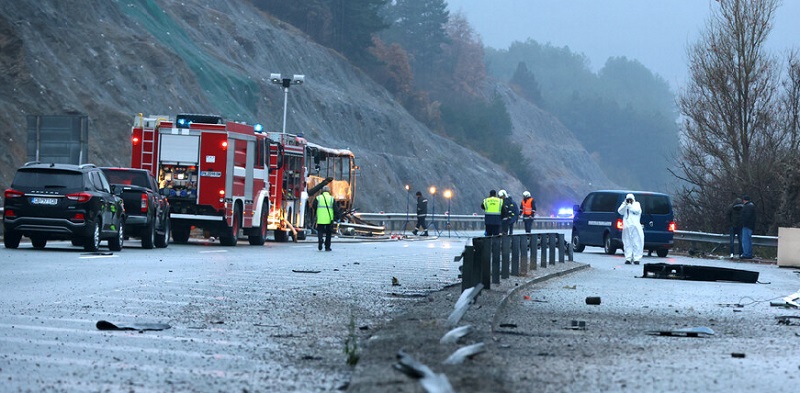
x=111, y=59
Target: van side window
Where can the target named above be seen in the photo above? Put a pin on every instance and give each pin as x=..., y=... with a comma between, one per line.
x=656, y=204
x=604, y=202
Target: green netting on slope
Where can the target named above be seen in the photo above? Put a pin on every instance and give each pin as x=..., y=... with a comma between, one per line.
x=232, y=94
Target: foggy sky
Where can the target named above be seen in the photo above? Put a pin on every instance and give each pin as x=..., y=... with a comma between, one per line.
x=654, y=32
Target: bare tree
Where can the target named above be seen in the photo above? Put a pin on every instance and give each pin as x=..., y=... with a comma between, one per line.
x=731, y=143
x=788, y=212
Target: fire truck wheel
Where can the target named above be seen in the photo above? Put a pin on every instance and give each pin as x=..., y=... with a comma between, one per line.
x=301, y=234
x=230, y=235
x=180, y=233
x=261, y=237
x=281, y=236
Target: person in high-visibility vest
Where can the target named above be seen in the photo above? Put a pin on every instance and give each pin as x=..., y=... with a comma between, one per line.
x=491, y=207
x=528, y=206
x=325, y=207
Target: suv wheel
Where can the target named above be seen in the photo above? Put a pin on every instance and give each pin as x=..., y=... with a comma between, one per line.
x=38, y=241
x=92, y=242
x=149, y=235
x=115, y=243
x=162, y=241
x=662, y=252
x=607, y=247
x=576, y=243
x=11, y=239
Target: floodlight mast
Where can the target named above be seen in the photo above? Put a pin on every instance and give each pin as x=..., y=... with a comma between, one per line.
x=285, y=83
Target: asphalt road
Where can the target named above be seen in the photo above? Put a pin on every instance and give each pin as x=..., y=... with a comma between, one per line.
x=276, y=319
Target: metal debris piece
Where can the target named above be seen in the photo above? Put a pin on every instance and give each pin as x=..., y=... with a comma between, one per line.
x=462, y=354
x=395, y=282
x=508, y=325
x=430, y=381
x=737, y=355
x=462, y=304
x=105, y=325
x=577, y=325
x=305, y=271
x=788, y=320
x=698, y=273
x=593, y=300
x=454, y=335
x=699, y=331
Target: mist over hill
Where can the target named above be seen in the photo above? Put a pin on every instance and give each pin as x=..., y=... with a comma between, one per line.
x=113, y=59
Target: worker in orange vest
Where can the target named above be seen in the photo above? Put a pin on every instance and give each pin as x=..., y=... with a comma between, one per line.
x=528, y=206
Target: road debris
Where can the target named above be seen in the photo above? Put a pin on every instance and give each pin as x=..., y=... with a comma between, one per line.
x=462, y=304
x=456, y=334
x=699, y=331
x=305, y=271
x=792, y=320
x=430, y=381
x=698, y=273
x=462, y=354
x=140, y=326
x=577, y=325
x=593, y=300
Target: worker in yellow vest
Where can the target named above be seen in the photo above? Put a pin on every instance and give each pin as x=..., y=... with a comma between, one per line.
x=326, y=209
x=491, y=207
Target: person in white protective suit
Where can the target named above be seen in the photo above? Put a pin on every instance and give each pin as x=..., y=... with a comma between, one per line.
x=632, y=232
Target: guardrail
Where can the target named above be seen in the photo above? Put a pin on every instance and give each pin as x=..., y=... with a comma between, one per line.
x=401, y=221
x=488, y=259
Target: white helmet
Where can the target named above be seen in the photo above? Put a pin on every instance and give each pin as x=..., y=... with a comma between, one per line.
x=526, y=194
x=502, y=194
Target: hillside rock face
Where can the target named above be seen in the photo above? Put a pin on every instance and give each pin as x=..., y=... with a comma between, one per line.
x=111, y=59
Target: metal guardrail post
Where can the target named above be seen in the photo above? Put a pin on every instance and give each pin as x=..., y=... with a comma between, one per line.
x=515, y=255
x=506, y=250
x=485, y=258
x=543, y=246
x=551, y=238
x=524, y=251
x=561, y=248
x=468, y=277
x=497, y=245
x=534, y=247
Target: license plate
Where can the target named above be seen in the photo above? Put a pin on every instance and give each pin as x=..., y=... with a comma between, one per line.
x=44, y=201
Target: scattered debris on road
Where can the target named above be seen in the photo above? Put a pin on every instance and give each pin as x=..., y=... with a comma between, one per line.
x=793, y=320
x=430, y=381
x=462, y=354
x=140, y=326
x=305, y=271
x=698, y=273
x=577, y=325
x=593, y=300
x=456, y=334
x=700, y=331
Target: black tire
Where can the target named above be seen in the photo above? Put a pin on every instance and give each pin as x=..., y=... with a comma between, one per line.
x=301, y=234
x=230, y=235
x=149, y=235
x=38, y=241
x=576, y=243
x=261, y=237
x=608, y=246
x=92, y=242
x=281, y=236
x=662, y=252
x=180, y=233
x=115, y=243
x=11, y=239
x=162, y=241
x=78, y=242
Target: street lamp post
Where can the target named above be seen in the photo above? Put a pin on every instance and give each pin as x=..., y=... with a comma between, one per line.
x=285, y=83
x=408, y=199
x=448, y=194
x=433, y=207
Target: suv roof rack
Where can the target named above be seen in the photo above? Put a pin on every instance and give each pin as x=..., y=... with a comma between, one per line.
x=87, y=166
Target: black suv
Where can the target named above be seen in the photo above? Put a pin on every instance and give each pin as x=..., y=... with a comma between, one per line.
x=147, y=214
x=63, y=202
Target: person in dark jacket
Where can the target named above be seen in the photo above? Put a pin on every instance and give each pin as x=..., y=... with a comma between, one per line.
x=422, y=212
x=508, y=214
x=748, y=225
x=735, y=226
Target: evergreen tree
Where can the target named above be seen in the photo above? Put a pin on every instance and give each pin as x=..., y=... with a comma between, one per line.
x=526, y=83
x=419, y=26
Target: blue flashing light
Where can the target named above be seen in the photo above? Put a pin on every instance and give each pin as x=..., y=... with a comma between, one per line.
x=258, y=127
x=565, y=212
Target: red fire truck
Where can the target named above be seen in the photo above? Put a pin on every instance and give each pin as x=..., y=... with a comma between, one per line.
x=287, y=177
x=214, y=172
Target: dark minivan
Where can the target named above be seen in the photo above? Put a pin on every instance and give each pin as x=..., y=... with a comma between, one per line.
x=597, y=223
